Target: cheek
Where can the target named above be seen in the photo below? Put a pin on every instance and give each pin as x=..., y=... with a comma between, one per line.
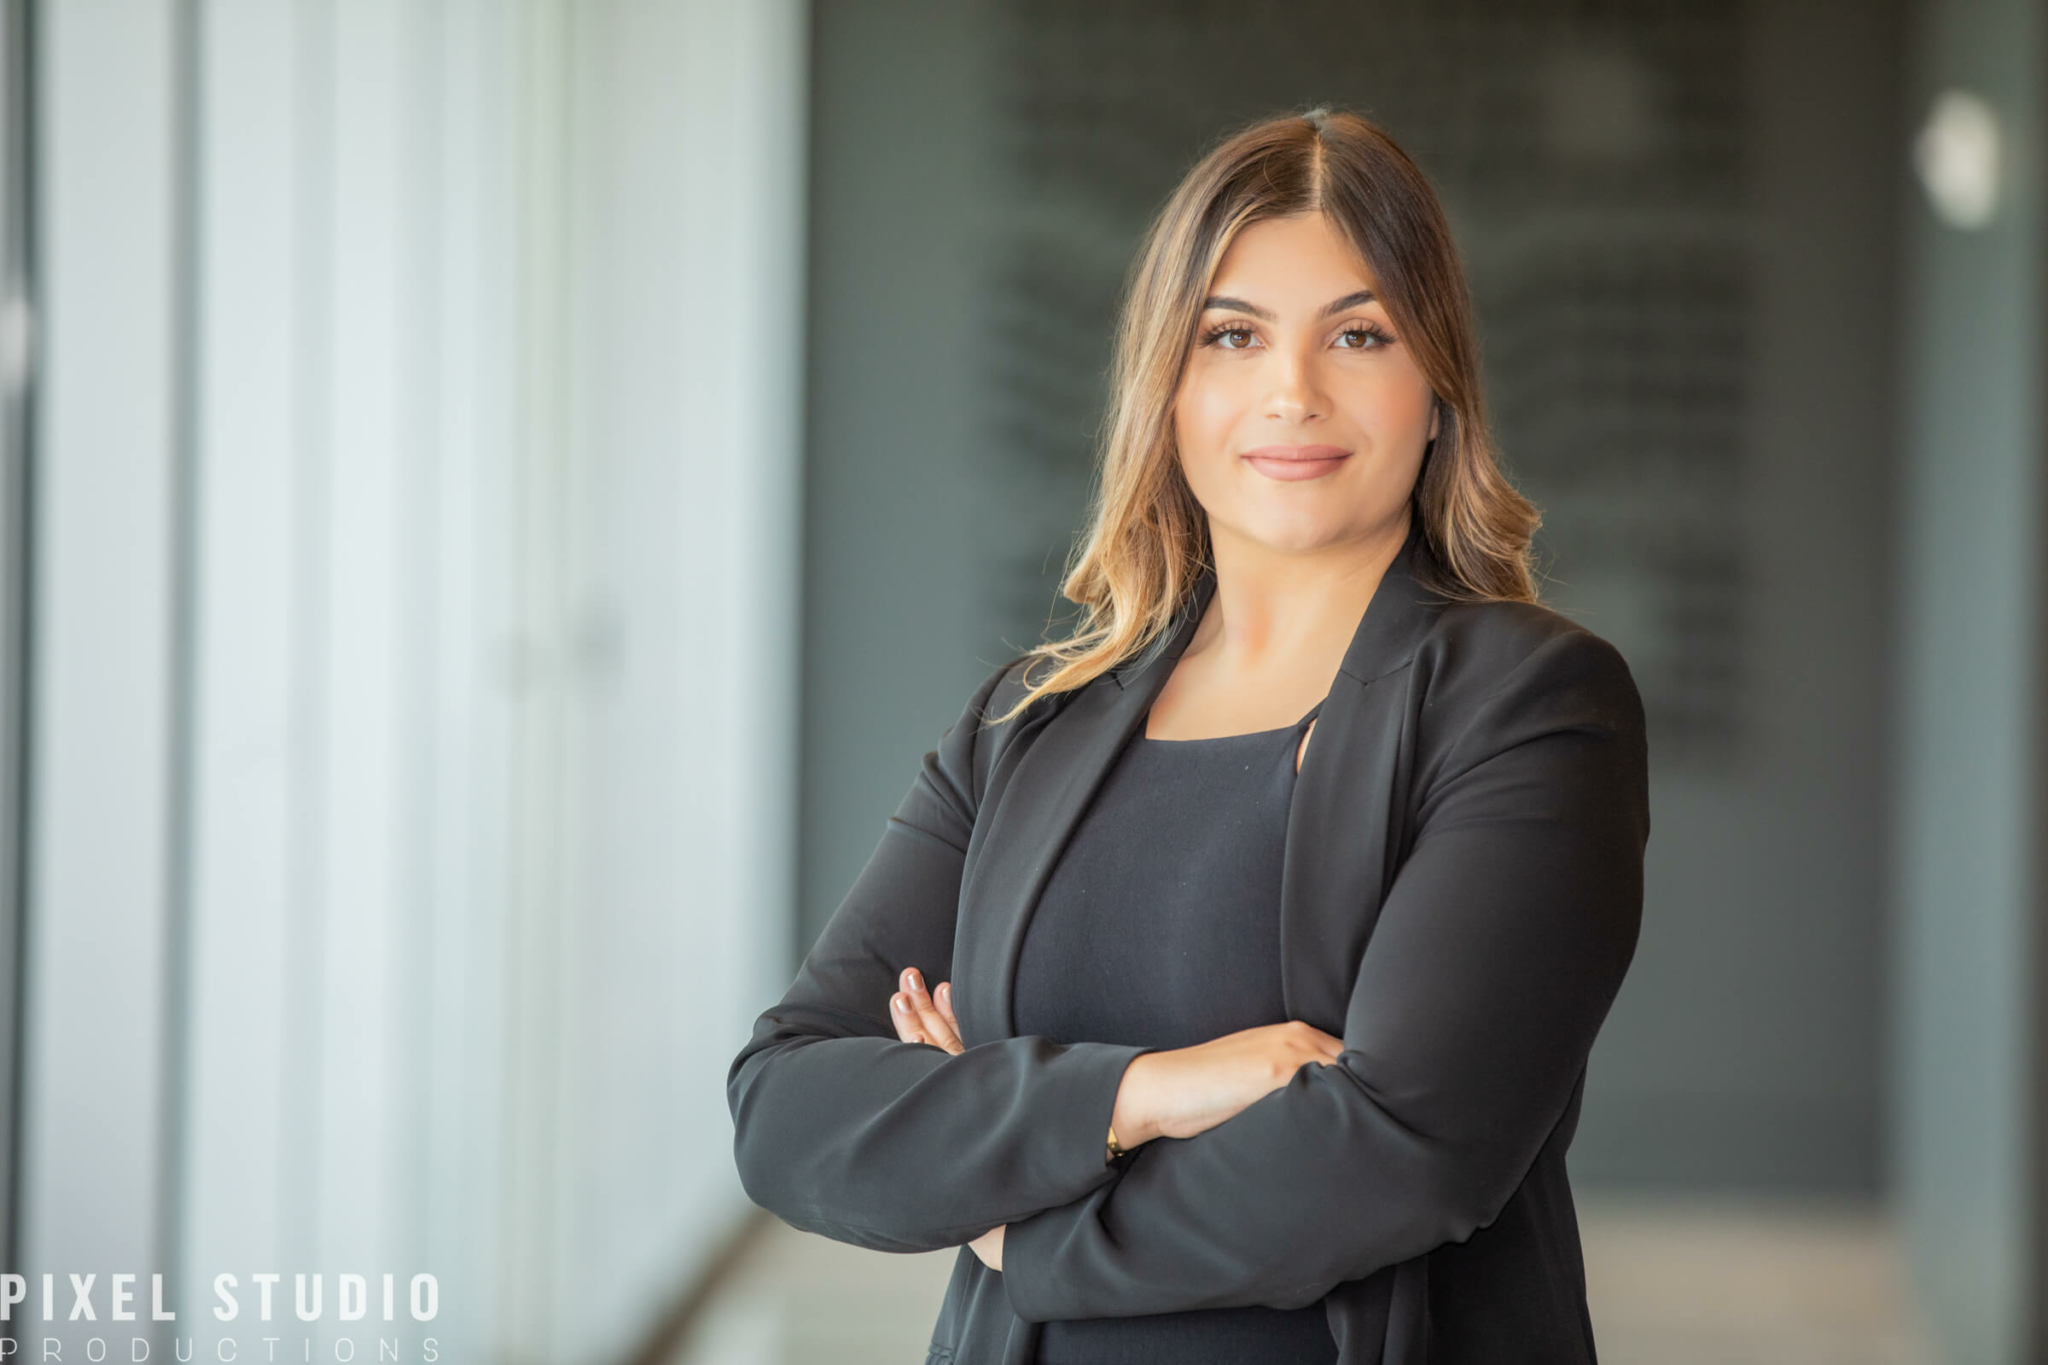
x=1205, y=416
x=1409, y=394
x=1389, y=399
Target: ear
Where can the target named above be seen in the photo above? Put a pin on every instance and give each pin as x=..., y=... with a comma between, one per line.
x=1436, y=416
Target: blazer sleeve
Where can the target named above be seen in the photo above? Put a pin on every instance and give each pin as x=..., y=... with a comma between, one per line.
x=1501, y=943
x=842, y=1129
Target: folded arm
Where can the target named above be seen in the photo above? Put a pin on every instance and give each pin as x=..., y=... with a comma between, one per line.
x=1500, y=946
x=842, y=1129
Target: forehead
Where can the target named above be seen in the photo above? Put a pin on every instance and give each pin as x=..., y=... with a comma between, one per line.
x=1302, y=255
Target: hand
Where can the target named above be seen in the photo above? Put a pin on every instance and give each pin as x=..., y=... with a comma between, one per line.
x=1184, y=1091
x=989, y=1246
x=920, y=1019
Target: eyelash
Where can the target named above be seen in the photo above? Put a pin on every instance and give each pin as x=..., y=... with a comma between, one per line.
x=1373, y=330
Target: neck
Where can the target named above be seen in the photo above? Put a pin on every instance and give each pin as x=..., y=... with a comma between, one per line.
x=1273, y=605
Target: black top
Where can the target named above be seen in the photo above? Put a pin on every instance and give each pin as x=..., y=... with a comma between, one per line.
x=1160, y=927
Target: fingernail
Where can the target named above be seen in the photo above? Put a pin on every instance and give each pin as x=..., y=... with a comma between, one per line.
x=910, y=979
x=902, y=1005
x=946, y=991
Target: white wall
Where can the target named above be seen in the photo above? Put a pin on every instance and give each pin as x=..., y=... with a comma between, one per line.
x=685, y=186
x=95, y=1088
x=480, y=771
x=1969, y=859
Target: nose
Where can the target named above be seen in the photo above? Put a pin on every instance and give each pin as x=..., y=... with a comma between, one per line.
x=1297, y=394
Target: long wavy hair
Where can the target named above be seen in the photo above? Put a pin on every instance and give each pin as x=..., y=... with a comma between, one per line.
x=1146, y=543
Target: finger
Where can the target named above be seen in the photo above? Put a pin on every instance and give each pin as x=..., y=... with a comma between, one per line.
x=1327, y=1044
x=904, y=1015
x=936, y=1029
x=945, y=1022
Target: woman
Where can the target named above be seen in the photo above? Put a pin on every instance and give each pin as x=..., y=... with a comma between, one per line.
x=1224, y=985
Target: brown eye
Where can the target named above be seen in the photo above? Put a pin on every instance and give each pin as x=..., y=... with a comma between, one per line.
x=1214, y=337
x=1375, y=338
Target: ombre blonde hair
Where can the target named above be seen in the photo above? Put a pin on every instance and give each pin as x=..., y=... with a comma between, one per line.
x=1147, y=540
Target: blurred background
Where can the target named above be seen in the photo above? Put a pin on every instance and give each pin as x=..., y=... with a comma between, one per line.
x=497, y=496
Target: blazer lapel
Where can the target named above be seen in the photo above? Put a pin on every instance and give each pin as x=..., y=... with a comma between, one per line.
x=1342, y=825
x=1349, y=807
x=1013, y=854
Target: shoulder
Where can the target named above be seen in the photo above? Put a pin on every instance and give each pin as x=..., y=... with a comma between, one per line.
x=1499, y=663
x=1002, y=690
x=975, y=742
x=1518, y=703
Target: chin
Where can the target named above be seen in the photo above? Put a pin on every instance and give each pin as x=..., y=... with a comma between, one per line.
x=1293, y=535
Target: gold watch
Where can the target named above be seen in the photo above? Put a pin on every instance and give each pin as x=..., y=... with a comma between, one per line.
x=1115, y=1148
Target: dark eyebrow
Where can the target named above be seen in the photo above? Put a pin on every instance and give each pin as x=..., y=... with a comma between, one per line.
x=1224, y=301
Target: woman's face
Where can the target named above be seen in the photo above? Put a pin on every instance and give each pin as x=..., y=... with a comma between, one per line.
x=1301, y=419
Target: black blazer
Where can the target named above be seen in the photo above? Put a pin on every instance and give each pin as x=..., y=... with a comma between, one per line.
x=1461, y=898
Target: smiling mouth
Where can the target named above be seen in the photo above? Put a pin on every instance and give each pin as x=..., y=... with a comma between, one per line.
x=1291, y=464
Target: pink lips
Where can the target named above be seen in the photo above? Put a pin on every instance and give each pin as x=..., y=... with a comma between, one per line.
x=1296, y=462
